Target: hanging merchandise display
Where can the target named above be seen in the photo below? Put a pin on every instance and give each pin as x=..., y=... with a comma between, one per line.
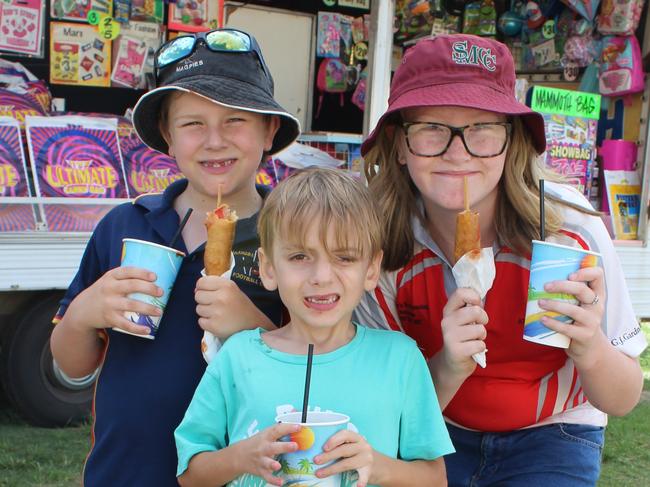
x=129, y=62
x=79, y=9
x=79, y=55
x=133, y=52
x=621, y=66
x=21, y=27
x=571, y=123
x=359, y=95
x=342, y=43
x=148, y=10
x=615, y=155
x=624, y=196
x=510, y=23
x=412, y=19
x=195, y=15
x=619, y=17
x=328, y=40
x=586, y=8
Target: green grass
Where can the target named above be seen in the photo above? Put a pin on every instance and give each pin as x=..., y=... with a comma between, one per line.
x=645, y=356
x=41, y=457
x=626, y=459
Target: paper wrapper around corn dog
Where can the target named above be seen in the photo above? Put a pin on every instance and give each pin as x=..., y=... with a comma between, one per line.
x=474, y=267
x=218, y=261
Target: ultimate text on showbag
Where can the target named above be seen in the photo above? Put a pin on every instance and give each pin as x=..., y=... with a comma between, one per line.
x=8, y=176
x=95, y=180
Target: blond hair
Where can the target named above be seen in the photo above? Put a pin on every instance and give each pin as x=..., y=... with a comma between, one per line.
x=328, y=196
x=517, y=219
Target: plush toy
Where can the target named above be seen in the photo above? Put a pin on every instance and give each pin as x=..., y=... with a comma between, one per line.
x=534, y=15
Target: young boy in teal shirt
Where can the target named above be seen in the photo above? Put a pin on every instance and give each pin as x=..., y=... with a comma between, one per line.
x=321, y=248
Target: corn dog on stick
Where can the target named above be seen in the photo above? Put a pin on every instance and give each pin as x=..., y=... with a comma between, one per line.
x=220, y=224
x=468, y=232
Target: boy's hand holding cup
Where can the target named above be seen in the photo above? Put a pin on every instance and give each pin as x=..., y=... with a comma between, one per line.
x=165, y=263
x=108, y=297
x=300, y=466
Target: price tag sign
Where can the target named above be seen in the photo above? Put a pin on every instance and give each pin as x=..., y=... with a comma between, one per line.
x=548, y=29
x=566, y=102
x=360, y=50
x=93, y=17
x=109, y=28
x=544, y=53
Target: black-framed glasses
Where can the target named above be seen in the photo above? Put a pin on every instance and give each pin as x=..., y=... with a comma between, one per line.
x=217, y=40
x=428, y=139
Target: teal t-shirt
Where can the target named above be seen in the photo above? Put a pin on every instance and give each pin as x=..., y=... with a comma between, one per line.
x=380, y=380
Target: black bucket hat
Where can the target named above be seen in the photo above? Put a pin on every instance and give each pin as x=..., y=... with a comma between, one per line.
x=232, y=79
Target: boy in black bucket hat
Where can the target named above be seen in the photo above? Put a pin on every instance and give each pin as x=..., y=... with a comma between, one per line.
x=213, y=111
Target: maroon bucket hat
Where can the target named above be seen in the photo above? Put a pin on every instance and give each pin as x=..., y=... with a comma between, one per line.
x=459, y=70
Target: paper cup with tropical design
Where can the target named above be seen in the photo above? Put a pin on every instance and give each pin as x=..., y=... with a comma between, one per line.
x=165, y=263
x=552, y=262
x=298, y=468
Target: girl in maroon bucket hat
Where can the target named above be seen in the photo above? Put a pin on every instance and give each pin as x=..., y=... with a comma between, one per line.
x=535, y=415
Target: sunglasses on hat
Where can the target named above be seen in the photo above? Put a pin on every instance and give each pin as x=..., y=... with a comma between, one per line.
x=218, y=40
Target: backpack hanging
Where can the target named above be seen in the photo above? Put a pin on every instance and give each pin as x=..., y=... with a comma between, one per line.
x=621, y=67
x=331, y=78
x=619, y=17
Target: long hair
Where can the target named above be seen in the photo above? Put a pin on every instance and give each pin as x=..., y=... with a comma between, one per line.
x=517, y=219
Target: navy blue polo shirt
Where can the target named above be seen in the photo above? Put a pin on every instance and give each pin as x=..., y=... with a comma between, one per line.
x=145, y=385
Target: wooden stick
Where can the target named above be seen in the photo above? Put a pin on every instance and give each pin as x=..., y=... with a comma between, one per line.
x=218, y=196
x=466, y=190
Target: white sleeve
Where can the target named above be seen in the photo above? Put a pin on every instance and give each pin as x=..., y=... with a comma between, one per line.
x=378, y=308
x=620, y=323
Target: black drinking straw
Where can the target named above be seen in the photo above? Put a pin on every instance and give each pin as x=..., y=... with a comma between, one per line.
x=542, y=231
x=305, y=399
x=180, y=227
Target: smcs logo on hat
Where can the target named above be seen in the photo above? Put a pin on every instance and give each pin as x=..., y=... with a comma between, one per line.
x=473, y=55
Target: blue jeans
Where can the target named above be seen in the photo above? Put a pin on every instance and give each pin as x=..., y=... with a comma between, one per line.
x=555, y=455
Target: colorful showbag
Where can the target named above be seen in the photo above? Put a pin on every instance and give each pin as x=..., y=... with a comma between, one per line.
x=359, y=94
x=195, y=15
x=21, y=27
x=571, y=125
x=79, y=55
x=129, y=63
x=148, y=35
x=13, y=179
x=328, y=38
x=78, y=9
x=146, y=170
x=621, y=67
x=18, y=106
x=619, y=17
x=624, y=196
x=75, y=156
x=148, y=10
